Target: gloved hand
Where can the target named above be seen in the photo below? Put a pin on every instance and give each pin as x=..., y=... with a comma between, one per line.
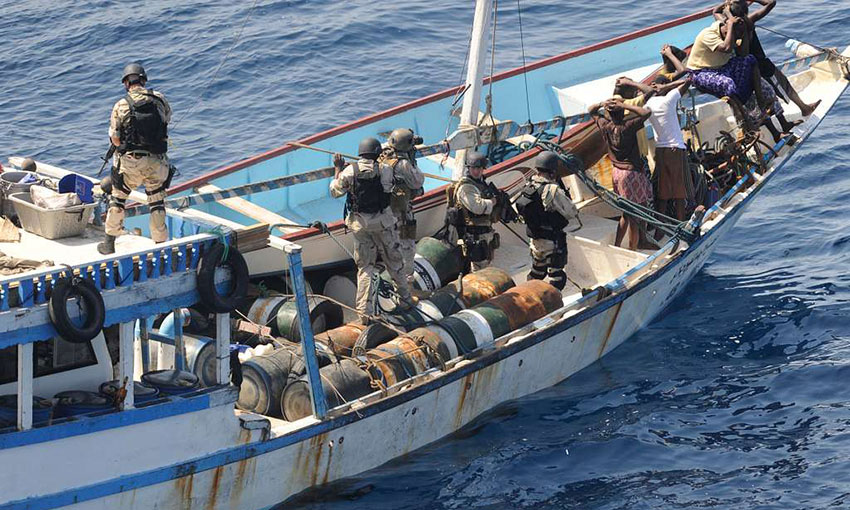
x=318, y=225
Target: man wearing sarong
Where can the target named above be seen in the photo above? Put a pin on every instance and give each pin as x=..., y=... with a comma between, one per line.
x=631, y=175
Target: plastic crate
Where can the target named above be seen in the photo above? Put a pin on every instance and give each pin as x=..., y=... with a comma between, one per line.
x=51, y=223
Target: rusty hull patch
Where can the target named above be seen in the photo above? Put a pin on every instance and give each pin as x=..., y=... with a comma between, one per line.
x=610, y=328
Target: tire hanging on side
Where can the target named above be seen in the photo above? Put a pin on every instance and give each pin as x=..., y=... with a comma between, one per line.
x=213, y=259
x=57, y=309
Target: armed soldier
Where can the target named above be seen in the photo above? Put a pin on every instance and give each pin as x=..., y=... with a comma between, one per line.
x=407, y=185
x=367, y=185
x=138, y=128
x=474, y=205
x=546, y=207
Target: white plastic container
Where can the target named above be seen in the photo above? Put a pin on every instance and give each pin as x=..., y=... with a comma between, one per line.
x=51, y=224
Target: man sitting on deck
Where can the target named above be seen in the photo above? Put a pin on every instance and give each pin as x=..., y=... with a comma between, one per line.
x=716, y=70
x=768, y=69
x=631, y=179
x=368, y=185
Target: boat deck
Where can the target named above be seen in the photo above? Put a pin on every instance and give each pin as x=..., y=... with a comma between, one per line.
x=70, y=250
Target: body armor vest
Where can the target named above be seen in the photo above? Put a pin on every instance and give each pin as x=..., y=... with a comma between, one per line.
x=144, y=129
x=475, y=220
x=367, y=195
x=539, y=223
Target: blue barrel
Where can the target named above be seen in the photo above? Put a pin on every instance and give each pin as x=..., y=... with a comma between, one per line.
x=75, y=402
x=172, y=382
x=141, y=392
x=41, y=410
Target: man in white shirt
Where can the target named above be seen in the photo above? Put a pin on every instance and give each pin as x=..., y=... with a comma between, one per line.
x=671, y=157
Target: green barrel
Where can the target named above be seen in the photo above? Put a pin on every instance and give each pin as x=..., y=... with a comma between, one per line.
x=435, y=264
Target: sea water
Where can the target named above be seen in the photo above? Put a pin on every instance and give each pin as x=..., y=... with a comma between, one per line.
x=736, y=397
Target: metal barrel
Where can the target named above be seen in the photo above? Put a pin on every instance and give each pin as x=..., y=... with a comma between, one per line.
x=485, y=284
x=281, y=315
x=342, y=339
x=481, y=330
x=435, y=264
x=263, y=381
x=519, y=306
x=141, y=392
x=440, y=345
x=410, y=350
x=342, y=382
x=342, y=288
x=200, y=358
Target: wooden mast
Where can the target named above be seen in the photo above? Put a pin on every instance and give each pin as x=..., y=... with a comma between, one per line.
x=474, y=74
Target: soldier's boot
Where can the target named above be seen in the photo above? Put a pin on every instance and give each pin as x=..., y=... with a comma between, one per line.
x=107, y=247
x=558, y=278
x=538, y=271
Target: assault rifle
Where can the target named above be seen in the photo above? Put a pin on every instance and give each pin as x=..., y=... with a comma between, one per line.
x=107, y=158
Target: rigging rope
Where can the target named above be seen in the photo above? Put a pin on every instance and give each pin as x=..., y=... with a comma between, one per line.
x=668, y=225
x=524, y=71
x=200, y=97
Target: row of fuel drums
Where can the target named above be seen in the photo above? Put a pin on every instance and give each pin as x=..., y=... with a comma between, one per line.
x=489, y=307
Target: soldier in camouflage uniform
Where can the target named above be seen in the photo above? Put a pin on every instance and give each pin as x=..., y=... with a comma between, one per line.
x=473, y=208
x=367, y=185
x=407, y=184
x=138, y=127
x=546, y=208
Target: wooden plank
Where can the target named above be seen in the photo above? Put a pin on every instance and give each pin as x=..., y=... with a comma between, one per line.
x=245, y=207
x=126, y=360
x=24, y=386
x=222, y=348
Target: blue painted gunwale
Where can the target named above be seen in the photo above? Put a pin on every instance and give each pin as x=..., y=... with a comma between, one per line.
x=105, y=420
x=240, y=453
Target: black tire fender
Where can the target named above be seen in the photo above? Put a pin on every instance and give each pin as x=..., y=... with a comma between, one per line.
x=212, y=259
x=57, y=309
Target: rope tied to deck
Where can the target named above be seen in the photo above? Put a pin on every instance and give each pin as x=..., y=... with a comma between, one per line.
x=674, y=228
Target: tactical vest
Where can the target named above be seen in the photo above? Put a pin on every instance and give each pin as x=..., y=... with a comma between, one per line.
x=539, y=223
x=367, y=194
x=144, y=129
x=401, y=195
x=470, y=219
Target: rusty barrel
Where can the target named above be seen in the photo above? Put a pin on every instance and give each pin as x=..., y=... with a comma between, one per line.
x=435, y=264
x=518, y=306
x=398, y=360
x=485, y=284
x=341, y=382
x=440, y=344
x=264, y=379
x=281, y=315
x=342, y=339
x=439, y=304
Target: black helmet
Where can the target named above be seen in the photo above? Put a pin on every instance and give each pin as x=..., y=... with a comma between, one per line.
x=475, y=159
x=547, y=162
x=401, y=139
x=369, y=147
x=134, y=68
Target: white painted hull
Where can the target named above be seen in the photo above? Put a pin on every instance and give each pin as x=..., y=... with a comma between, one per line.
x=265, y=480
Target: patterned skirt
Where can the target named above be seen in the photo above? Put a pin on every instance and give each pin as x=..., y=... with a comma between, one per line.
x=733, y=79
x=633, y=185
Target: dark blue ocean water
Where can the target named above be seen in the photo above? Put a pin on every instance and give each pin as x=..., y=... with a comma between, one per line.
x=737, y=397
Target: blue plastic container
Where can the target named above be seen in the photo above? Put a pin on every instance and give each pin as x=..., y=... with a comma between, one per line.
x=141, y=392
x=41, y=409
x=73, y=183
x=172, y=382
x=73, y=403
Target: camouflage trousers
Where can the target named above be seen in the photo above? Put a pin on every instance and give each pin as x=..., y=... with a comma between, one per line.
x=133, y=172
x=369, y=242
x=549, y=258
